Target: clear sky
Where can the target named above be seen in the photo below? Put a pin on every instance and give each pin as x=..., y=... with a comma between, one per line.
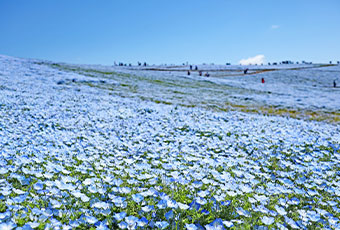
x=176, y=31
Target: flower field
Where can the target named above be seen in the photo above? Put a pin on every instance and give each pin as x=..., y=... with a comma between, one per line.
x=77, y=155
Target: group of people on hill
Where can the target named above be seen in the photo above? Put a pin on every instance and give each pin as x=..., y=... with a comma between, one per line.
x=125, y=64
x=200, y=73
x=196, y=68
x=140, y=64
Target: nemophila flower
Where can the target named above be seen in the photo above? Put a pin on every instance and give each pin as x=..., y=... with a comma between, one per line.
x=333, y=220
x=219, y=198
x=19, y=199
x=36, y=211
x=74, y=223
x=153, y=181
x=91, y=219
x=169, y=215
x=263, y=209
x=226, y=203
x=33, y=224
x=131, y=220
x=182, y=206
x=137, y=198
x=215, y=225
x=123, y=225
x=84, y=198
x=120, y=216
x=142, y=222
x=197, y=184
x=261, y=198
x=93, y=189
x=194, y=205
x=6, y=191
x=161, y=224
x=281, y=226
x=242, y=212
x=246, y=188
x=313, y=216
x=272, y=213
x=162, y=204
x=171, y=203
x=191, y=227
x=7, y=226
x=294, y=201
x=291, y=223
x=267, y=220
x=18, y=191
x=283, y=202
x=148, y=208
x=101, y=205
x=252, y=200
x=228, y=224
x=4, y=215
x=119, y=201
x=205, y=212
x=203, y=193
x=231, y=193
x=124, y=190
x=25, y=227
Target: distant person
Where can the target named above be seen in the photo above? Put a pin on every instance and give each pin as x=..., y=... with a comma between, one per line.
x=190, y=67
x=245, y=71
x=188, y=72
x=334, y=84
x=262, y=80
x=196, y=68
x=144, y=63
x=207, y=74
x=200, y=73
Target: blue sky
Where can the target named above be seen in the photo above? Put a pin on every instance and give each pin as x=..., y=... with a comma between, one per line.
x=164, y=31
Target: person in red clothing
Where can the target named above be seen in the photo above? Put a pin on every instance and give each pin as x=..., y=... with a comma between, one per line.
x=262, y=80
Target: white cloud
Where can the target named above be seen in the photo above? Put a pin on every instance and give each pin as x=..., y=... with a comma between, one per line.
x=258, y=59
x=274, y=27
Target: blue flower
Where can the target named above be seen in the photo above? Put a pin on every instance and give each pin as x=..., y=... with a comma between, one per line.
x=226, y=203
x=162, y=204
x=38, y=186
x=291, y=222
x=120, y=216
x=215, y=225
x=142, y=222
x=131, y=220
x=228, y=224
x=191, y=227
x=161, y=224
x=280, y=210
x=195, y=205
x=148, y=208
x=7, y=226
x=102, y=226
x=205, y=212
x=122, y=225
x=182, y=206
x=91, y=219
x=169, y=215
x=267, y=220
x=137, y=198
